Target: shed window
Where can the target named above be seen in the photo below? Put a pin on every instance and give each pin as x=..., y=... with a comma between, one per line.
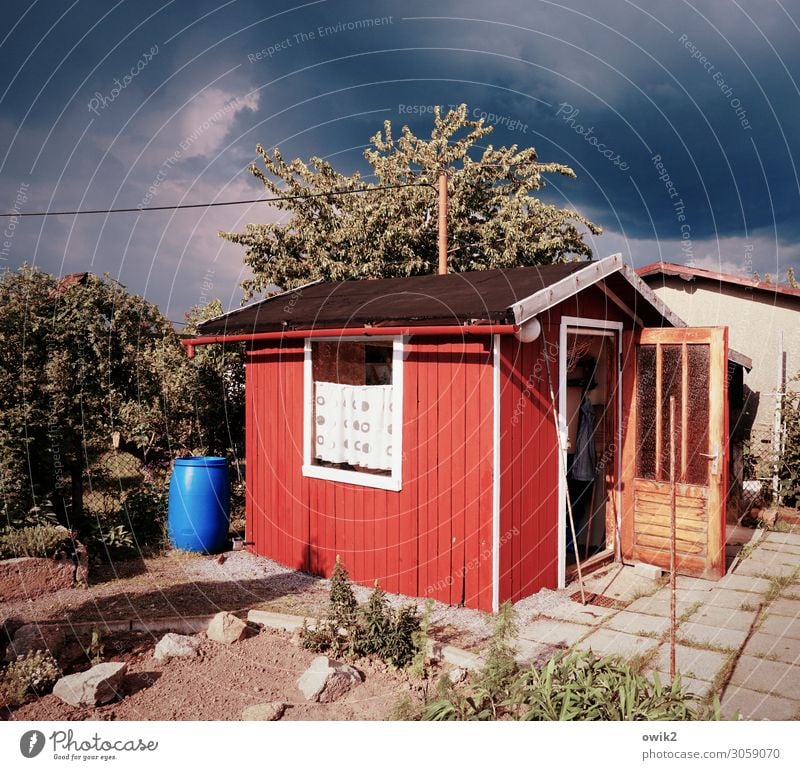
x=353, y=405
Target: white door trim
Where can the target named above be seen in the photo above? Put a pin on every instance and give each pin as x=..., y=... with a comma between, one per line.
x=589, y=326
x=496, y=473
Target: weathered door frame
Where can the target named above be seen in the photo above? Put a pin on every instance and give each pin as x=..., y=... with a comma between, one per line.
x=596, y=326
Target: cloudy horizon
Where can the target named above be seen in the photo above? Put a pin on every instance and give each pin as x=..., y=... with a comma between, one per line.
x=676, y=117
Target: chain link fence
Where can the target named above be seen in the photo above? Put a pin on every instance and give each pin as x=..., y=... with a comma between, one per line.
x=125, y=501
x=770, y=468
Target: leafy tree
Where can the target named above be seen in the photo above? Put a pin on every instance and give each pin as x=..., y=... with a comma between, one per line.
x=494, y=220
x=82, y=359
x=218, y=386
x=790, y=459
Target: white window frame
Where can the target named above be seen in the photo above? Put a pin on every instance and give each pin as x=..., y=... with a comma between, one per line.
x=392, y=482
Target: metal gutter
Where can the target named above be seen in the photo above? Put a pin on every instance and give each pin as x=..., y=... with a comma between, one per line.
x=470, y=330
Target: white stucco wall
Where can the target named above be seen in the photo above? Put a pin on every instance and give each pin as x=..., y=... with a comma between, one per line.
x=754, y=320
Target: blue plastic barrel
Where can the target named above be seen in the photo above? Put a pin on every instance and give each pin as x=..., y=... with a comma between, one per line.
x=199, y=502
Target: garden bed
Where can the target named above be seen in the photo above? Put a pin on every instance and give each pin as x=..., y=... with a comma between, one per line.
x=220, y=683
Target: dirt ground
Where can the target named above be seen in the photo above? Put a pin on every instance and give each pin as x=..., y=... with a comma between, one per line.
x=176, y=583
x=222, y=682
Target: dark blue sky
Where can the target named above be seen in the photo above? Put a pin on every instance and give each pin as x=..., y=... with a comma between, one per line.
x=679, y=118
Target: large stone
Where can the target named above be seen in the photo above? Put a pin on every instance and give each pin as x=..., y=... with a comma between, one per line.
x=99, y=685
x=176, y=646
x=34, y=636
x=327, y=680
x=264, y=712
x=226, y=628
x=647, y=570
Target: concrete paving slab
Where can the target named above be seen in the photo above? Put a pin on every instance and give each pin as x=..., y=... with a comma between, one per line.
x=606, y=641
x=774, y=556
x=767, y=676
x=574, y=612
x=724, y=617
x=753, y=705
x=782, y=538
x=721, y=638
x=744, y=583
x=734, y=600
x=650, y=605
x=788, y=607
x=556, y=633
x=685, y=595
x=782, y=648
x=638, y=623
x=780, y=625
x=691, y=662
x=789, y=550
x=759, y=568
x=694, y=584
x=534, y=653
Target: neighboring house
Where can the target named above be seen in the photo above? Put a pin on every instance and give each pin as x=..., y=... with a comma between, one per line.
x=763, y=321
x=409, y=426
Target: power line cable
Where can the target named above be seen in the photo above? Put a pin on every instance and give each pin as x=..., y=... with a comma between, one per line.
x=178, y=206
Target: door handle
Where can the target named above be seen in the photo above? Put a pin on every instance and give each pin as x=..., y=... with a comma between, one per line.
x=714, y=457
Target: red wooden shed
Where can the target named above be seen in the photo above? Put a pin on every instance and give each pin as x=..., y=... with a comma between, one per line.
x=409, y=425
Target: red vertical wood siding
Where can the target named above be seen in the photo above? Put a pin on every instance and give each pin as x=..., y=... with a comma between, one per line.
x=433, y=537
x=529, y=449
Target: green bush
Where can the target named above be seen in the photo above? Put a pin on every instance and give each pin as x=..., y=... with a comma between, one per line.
x=40, y=540
x=37, y=672
x=374, y=628
x=790, y=461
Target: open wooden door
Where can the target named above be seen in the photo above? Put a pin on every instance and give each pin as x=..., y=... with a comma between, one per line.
x=691, y=365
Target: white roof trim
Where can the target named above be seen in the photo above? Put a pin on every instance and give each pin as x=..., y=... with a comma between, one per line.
x=546, y=298
x=646, y=292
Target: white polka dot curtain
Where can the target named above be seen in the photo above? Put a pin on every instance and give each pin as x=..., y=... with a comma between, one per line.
x=353, y=424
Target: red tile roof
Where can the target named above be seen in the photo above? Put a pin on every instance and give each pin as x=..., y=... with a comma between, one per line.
x=690, y=273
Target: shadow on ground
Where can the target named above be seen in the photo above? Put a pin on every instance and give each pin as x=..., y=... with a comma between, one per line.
x=189, y=598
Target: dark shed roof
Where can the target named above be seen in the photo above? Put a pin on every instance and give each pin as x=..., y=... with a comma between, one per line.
x=482, y=295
